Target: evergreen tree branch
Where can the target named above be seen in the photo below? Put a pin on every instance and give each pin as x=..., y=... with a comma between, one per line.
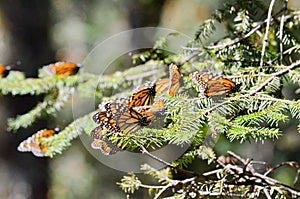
x=146, y=152
x=276, y=74
x=239, y=39
x=52, y=104
x=59, y=142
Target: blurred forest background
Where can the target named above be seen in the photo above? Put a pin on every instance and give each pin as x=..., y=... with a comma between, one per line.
x=34, y=33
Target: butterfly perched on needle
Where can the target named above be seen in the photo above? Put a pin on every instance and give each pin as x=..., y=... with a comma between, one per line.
x=62, y=69
x=145, y=94
x=211, y=85
x=34, y=143
x=103, y=143
x=4, y=70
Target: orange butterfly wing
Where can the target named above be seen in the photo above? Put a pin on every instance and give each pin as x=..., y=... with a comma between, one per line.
x=33, y=144
x=135, y=118
x=219, y=86
x=4, y=70
x=103, y=143
x=143, y=97
x=162, y=85
x=106, y=146
x=211, y=85
x=62, y=69
x=175, y=80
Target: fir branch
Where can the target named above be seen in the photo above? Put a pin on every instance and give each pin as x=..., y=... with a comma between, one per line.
x=274, y=75
x=244, y=133
x=239, y=39
x=236, y=178
x=147, y=137
x=59, y=142
x=52, y=104
x=30, y=86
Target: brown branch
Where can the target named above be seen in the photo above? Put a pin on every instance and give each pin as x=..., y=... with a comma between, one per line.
x=290, y=164
x=146, y=152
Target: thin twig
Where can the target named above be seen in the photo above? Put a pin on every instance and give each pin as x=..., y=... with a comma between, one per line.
x=189, y=58
x=281, y=31
x=277, y=74
x=263, y=179
x=173, y=183
x=267, y=98
x=290, y=164
x=146, y=152
x=151, y=186
x=237, y=40
x=288, y=51
x=267, y=194
x=265, y=40
x=162, y=191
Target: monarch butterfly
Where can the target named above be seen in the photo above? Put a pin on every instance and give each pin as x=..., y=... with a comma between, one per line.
x=211, y=85
x=62, y=69
x=134, y=118
x=33, y=143
x=107, y=119
x=4, y=70
x=103, y=143
x=144, y=96
x=174, y=80
x=146, y=93
x=169, y=85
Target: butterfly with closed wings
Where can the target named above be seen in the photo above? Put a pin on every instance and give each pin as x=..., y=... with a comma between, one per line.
x=212, y=85
x=62, y=69
x=34, y=143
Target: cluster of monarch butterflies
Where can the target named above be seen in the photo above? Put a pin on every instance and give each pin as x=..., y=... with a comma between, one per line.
x=127, y=115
